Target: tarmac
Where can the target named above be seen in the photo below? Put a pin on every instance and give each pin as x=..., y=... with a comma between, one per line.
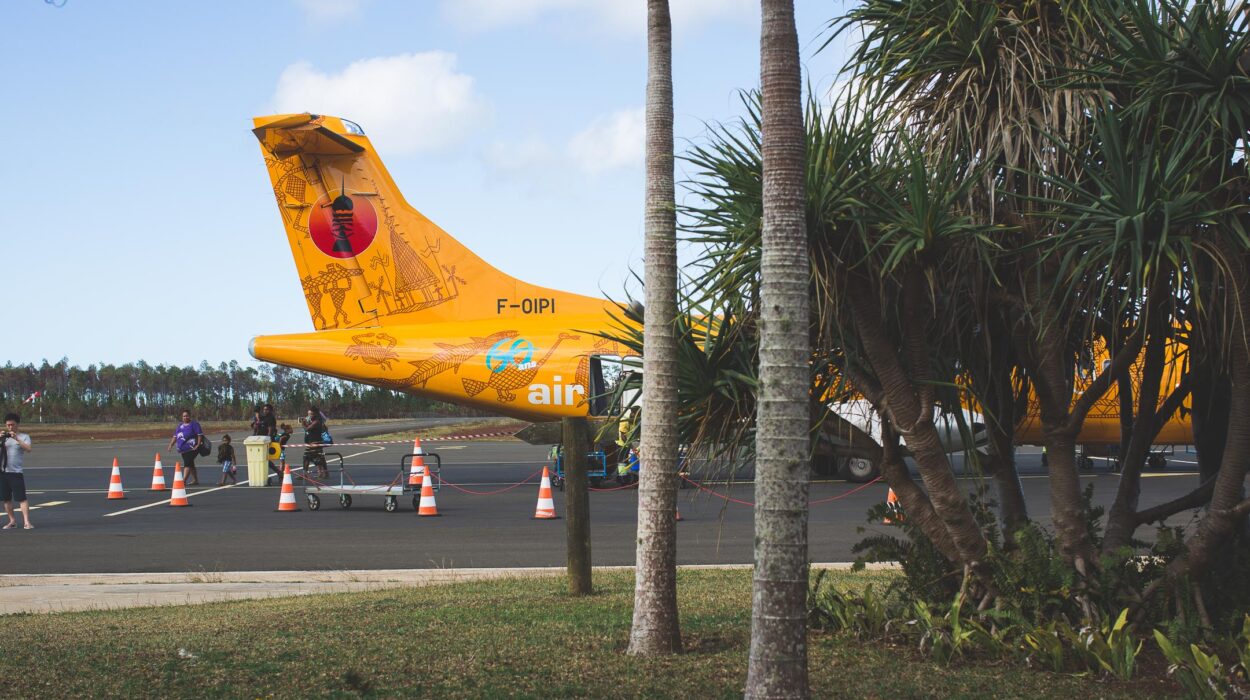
x=33, y=594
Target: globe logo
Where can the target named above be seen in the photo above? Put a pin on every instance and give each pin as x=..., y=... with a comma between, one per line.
x=517, y=353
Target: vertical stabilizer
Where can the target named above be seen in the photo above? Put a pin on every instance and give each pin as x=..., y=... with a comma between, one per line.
x=365, y=257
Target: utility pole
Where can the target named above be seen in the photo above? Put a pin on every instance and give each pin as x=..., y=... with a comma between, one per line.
x=577, y=504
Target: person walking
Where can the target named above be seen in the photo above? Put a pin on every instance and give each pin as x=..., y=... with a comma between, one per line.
x=315, y=433
x=12, y=481
x=188, y=437
x=225, y=457
x=265, y=422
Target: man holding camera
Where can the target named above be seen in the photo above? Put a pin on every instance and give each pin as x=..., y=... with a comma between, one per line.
x=12, y=484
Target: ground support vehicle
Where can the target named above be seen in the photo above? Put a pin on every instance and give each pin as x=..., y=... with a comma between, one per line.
x=596, y=470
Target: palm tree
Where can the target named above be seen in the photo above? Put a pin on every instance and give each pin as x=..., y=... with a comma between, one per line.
x=778, y=657
x=655, y=628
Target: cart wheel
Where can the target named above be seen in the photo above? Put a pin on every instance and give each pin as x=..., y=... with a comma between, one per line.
x=416, y=502
x=596, y=482
x=392, y=504
x=314, y=503
x=558, y=482
x=345, y=501
x=1157, y=461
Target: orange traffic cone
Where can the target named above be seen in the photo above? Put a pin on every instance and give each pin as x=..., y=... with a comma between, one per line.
x=158, y=475
x=418, y=464
x=179, y=496
x=286, y=501
x=891, y=504
x=679, y=518
x=115, y=483
x=546, y=507
x=427, y=507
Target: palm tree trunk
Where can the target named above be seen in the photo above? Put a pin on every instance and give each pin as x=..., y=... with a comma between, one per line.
x=655, y=627
x=778, y=658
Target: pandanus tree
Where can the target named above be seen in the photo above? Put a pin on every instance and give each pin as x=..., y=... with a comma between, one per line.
x=1179, y=76
x=978, y=79
x=893, y=260
x=1109, y=138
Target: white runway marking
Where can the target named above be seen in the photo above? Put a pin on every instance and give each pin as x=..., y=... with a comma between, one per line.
x=166, y=501
x=376, y=449
x=48, y=504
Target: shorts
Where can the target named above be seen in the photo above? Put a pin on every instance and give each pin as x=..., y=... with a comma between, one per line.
x=12, y=487
x=227, y=467
x=188, y=458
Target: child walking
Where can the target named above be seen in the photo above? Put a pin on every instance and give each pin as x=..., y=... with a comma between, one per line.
x=225, y=457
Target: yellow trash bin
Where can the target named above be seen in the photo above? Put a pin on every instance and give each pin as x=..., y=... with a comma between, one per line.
x=257, y=459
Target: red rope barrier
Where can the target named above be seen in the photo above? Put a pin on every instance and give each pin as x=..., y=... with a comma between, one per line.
x=844, y=495
x=701, y=487
x=490, y=493
x=615, y=488
x=447, y=438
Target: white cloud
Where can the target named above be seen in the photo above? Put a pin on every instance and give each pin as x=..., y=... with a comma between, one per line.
x=520, y=157
x=618, y=16
x=330, y=10
x=614, y=141
x=610, y=142
x=406, y=103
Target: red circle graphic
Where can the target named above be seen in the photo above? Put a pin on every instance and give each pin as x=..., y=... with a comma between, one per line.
x=343, y=226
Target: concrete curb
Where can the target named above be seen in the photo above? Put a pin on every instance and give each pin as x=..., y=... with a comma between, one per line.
x=51, y=593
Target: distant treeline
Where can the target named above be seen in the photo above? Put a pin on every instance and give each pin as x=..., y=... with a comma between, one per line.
x=225, y=392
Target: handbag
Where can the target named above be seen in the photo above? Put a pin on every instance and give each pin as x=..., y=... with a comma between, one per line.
x=206, y=447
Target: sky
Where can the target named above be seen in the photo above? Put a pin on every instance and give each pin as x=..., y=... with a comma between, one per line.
x=146, y=227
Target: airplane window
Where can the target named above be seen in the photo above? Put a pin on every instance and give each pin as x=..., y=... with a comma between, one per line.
x=353, y=128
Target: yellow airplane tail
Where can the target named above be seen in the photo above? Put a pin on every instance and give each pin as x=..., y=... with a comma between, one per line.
x=365, y=257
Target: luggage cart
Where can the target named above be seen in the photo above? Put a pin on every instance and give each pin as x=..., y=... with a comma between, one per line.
x=345, y=491
x=596, y=469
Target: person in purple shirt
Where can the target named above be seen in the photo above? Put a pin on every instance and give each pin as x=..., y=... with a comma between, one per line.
x=187, y=438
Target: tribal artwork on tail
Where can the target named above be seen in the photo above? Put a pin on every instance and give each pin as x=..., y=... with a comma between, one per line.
x=449, y=357
x=510, y=378
x=373, y=349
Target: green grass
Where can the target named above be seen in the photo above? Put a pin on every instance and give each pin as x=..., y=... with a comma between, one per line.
x=506, y=638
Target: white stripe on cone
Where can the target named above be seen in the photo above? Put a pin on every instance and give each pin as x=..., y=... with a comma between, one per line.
x=427, y=507
x=286, y=502
x=179, y=496
x=115, y=484
x=158, y=476
x=418, y=463
x=546, y=509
